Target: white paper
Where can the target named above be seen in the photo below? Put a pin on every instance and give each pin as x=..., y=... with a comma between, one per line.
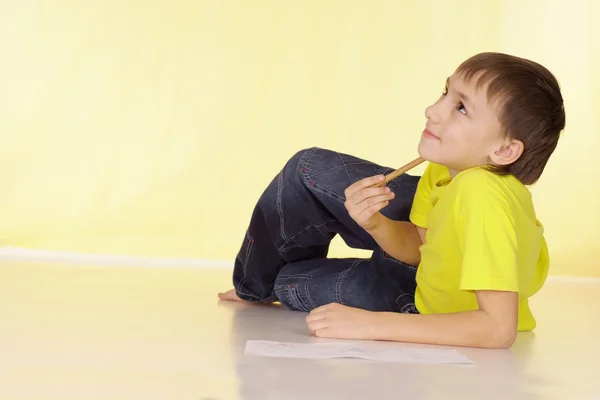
x=353, y=350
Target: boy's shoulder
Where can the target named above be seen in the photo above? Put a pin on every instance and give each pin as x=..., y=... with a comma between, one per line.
x=484, y=189
x=483, y=179
x=476, y=181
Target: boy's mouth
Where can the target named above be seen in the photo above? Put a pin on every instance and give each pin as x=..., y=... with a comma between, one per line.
x=429, y=135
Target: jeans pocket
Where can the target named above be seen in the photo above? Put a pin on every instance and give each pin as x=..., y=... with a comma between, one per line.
x=292, y=292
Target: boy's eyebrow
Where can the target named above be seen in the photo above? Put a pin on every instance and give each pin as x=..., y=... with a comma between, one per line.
x=463, y=96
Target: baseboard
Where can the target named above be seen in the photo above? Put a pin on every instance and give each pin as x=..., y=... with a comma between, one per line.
x=16, y=254
x=85, y=259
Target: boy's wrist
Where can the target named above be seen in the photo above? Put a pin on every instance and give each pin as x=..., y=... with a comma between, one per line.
x=377, y=226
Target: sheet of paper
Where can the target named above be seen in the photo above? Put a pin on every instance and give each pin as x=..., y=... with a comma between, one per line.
x=353, y=350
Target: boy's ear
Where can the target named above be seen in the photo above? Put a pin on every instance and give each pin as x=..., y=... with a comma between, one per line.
x=510, y=152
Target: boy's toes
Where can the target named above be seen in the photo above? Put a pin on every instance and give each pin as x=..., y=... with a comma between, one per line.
x=229, y=295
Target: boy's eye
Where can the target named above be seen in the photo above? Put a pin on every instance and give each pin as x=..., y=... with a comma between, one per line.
x=461, y=108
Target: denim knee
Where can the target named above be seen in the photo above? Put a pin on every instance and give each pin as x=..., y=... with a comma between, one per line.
x=296, y=162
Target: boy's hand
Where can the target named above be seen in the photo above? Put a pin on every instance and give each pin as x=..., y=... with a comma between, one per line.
x=336, y=321
x=363, y=202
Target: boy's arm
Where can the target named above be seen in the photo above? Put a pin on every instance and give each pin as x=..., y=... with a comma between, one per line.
x=489, y=244
x=403, y=239
x=493, y=325
x=400, y=239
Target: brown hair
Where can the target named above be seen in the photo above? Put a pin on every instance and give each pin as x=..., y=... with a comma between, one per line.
x=530, y=107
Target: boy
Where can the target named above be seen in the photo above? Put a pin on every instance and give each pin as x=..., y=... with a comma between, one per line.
x=468, y=223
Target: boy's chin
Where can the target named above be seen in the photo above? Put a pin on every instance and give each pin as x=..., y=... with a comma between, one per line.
x=432, y=157
x=427, y=154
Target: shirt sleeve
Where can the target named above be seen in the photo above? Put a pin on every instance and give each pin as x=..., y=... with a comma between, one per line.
x=487, y=237
x=422, y=201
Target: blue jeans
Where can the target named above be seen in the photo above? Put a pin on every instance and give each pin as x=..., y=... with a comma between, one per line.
x=283, y=256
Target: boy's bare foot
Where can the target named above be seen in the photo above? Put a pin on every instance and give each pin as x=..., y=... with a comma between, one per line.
x=230, y=295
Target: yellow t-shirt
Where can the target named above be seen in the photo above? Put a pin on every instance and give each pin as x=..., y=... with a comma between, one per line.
x=482, y=234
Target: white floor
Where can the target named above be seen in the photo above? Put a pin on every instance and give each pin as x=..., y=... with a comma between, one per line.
x=76, y=331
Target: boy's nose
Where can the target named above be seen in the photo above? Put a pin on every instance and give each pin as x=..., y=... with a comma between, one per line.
x=431, y=114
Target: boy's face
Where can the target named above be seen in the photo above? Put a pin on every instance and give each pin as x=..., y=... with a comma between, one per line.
x=462, y=129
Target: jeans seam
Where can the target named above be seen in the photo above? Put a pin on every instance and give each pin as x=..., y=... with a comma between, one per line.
x=345, y=167
x=320, y=189
x=294, y=301
x=285, y=246
x=391, y=259
x=280, y=206
x=298, y=304
x=244, y=293
x=304, y=166
x=248, y=250
x=306, y=157
x=308, y=296
x=312, y=185
x=384, y=170
x=307, y=292
x=307, y=178
x=340, y=281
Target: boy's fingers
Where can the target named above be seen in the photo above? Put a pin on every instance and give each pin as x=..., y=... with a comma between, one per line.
x=363, y=213
x=367, y=194
x=365, y=204
x=363, y=183
x=370, y=193
x=375, y=208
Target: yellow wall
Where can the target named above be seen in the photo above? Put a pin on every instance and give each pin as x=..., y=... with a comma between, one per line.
x=151, y=127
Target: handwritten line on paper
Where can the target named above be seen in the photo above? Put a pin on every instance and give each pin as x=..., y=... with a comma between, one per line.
x=342, y=350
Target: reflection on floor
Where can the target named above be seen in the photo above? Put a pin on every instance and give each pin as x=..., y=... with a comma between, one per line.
x=74, y=331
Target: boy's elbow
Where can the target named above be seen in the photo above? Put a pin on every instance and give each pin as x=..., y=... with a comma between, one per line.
x=503, y=342
x=498, y=318
x=501, y=338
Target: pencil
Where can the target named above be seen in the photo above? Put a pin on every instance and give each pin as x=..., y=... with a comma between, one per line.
x=400, y=171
